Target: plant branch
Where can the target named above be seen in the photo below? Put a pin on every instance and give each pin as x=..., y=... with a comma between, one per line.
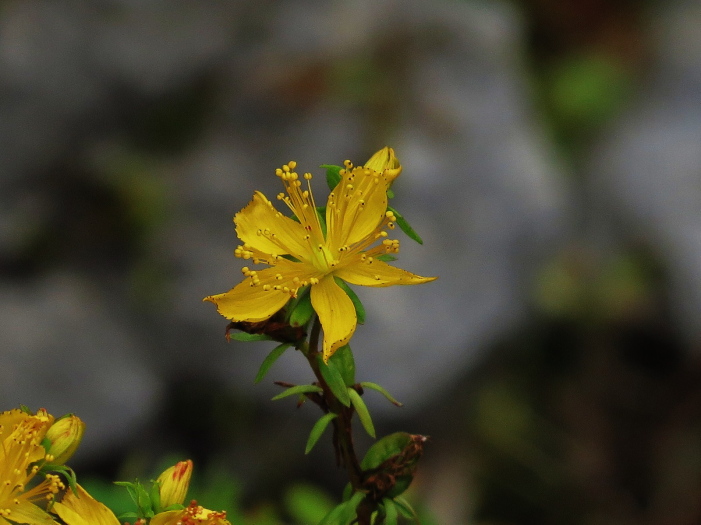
x=343, y=430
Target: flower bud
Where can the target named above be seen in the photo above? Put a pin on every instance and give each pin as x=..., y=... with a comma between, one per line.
x=385, y=161
x=174, y=482
x=64, y=437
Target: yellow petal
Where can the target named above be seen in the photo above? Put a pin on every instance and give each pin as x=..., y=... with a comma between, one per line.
x=174, y=482
x=257, y=303
x=336, y=314
x=25, y=512
x=83, y=509
x=356, y=207
x=167, y=518
x=378, y=273
x=385, y=161
x=261, y=226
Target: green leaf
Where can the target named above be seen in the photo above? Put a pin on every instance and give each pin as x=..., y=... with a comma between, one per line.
x=385, y=448
x=381, y=390
x=390, y=194
x=269, y=360
x=362, y=410
x=391, y=515
x=359, y=308
x=344, y=514
x=333, y=175
x=405, y=508
x=318, y=430
x=344, y=361
x=404, y=225
x=385, y=257
x=246, y=337
x=333, y=377
x=299, y=389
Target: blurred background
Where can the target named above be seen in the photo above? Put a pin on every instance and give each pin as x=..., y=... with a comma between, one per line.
x=552, y=165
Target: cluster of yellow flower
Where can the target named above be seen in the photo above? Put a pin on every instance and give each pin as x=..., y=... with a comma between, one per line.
x=35, y=445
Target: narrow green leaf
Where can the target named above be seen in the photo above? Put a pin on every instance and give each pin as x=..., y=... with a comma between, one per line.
x=391, y=515
x=318, y=430
x=333, y=175
x=269, y=360
x=381, y=390
x=404, y=225
x=385, y=257
x=333, y=377
x=299, y=389
x=405, y=508
x=344, y=361
x=359, y=308
x=246, y=337
x=362, y=410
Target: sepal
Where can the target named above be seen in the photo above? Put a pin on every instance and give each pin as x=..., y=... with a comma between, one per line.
x=359, y=308
x=333, y=175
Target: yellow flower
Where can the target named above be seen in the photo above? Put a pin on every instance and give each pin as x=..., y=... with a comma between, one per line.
x=20, y=449
x=384, y=161
x=83, y=509
x=190, y=515
x=174, y=482
x=300, y=252
x=65, y=435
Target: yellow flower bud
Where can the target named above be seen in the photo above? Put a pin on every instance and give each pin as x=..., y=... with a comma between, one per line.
x=385, y=161
x=174, y=482
x=64, y=436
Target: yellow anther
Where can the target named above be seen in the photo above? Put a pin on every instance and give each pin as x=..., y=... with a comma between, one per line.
x=278, y=277
x=308, y=176
x=286, y=168
x=292, y=164
x=266, y=287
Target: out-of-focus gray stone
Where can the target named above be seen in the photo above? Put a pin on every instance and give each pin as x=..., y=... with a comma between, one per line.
x=479, y=183
x=66, y=347
x=646, y=171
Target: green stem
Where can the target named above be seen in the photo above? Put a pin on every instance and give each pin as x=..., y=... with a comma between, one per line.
x=343, y=430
